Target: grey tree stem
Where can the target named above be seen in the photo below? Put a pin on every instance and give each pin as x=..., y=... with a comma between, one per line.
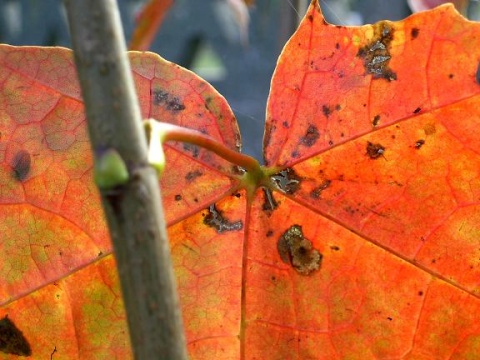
x=133, y=211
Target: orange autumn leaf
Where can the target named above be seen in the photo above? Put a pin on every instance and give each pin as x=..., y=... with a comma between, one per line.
x=58, y=282
x=368, y=248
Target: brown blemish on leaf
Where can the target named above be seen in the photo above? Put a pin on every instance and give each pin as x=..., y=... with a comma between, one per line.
x=178, y=197
x=192, y=148
x=376, y=54
x=269, y=130
x=296, y=250
x=192, y=175
x=168, y=101
x=317, y=192
x=374, y=151
x=269, y=202
x=287, y=181
x=216, y=220
x=429, y=129
x=12, y=340
x=328, y=110
x=208, y=100
x=21, y=164
x=419, y=143
x=417, y=110
x=311, y=136
x=376, y=120
x=414, y=33
x=335, y=248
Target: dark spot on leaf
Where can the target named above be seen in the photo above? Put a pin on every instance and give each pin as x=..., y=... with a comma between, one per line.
x=296, y=250
x=317, y=192
x=192, y=175
x=310, y=17
x=477, y=74
x=269, y=233
x=267, y=137
x=334, y=248
x=295, y=154
x=311, y=136
x=328, y=110
x=269, y=202
x=330, y=142
x=178, y=197
x=216, y=220
x=337, y=46
x=287, y=181
x=168, y=101
x=419, y=143
x=21, y=164
x=12, y=340
x=376, y=54
x=414, y=33
x=208, y=100
x=390, y=318
x=350, y=210
x=285, y=125
x=450, y=76
x=376, y=120
x=420, y=293
x=374, y=151
x=429, y=129
x=417, y=110
x=192, y=148
x=237, y=195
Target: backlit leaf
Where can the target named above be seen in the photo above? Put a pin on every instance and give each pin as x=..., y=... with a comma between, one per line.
x=368, y=249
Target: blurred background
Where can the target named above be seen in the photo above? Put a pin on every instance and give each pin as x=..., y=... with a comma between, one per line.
x=232, y=46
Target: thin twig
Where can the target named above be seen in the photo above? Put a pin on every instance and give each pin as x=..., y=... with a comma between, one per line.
x=133, y=211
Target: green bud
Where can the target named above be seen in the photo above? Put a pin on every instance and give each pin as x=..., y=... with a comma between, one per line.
x=110, y=170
